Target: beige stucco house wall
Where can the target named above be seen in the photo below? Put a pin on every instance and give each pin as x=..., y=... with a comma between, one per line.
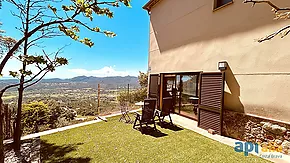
x=187, y=35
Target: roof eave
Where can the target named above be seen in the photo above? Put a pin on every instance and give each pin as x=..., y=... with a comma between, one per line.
x=150, y=4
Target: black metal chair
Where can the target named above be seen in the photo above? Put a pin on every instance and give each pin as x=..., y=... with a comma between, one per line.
x=148, y=114
x=124, y=111
x=167, y=107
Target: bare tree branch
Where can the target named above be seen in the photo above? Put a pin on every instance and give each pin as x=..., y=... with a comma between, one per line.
x=46, y=70
x=15, y=47
x=57, y=20
x=18, y=5
x=275, y=34
x=35, y=44
x=49, y=34
x=276, y=8
x=26, y=86
x=36, y=15
x=15, y=85
x=280, y=14
x=20, y=17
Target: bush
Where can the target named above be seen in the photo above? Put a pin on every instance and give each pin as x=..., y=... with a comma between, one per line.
x=87, y=112
x=38, y=116
x=139, y=94
x=84, y=107
x=35, y=114
x=136, y=95
x=124, y=96
x=69, y=114
x=133, y=96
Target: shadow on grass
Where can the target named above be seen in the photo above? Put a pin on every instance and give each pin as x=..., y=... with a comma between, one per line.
x=169, y=126
x=151, y=132
x=53, y=153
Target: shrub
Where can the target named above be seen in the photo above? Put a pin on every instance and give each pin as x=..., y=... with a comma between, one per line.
x=35, y=114
x=136, y=95
x=139, y=94
x=69, y=114
x=133, y=96
x=87, y=111
x=124, y=96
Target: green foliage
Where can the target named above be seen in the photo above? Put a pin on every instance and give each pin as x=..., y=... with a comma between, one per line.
x=87, y=41
x=55, y=113
x=13, y=74
x=35, y=114
x=136, y=95
x=143, y=79
x=133, y=96
x=84, y=106
x=124, y=96
x=87, y=112
x=107, y=106
x=31, y=59
x=69, y=115
x=5, y=42
x=140, y=94
x=42, y=62
x=42, y=115
x=88, y=9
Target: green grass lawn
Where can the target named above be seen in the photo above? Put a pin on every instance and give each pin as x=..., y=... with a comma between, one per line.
x=115, y=141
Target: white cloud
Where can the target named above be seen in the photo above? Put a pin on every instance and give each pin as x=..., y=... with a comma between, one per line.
x=105, y=71
x=65, y=72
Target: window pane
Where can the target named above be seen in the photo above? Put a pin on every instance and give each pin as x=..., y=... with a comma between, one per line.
x=222, y=2
x=153, y=87
x=189, y=85
x=188, y=95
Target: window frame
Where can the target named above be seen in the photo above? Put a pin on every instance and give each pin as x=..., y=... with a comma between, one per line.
x=150, y=93
x=215, y=8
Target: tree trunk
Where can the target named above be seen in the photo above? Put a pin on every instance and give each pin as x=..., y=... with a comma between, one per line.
x=18, y=126
x=1, y=132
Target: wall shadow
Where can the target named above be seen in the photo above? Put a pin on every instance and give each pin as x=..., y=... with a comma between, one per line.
x=190, y=28
x=232, y=102
x=54, y=153
x=232, y=99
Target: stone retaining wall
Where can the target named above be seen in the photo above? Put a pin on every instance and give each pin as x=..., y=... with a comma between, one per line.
x=268, y=133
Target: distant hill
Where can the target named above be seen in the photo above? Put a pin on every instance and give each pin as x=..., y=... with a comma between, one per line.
x=82, y=82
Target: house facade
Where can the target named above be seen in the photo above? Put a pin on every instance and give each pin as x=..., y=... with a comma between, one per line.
x=190, y=37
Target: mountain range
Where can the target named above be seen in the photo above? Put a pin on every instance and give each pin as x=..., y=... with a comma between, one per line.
x=82, y=82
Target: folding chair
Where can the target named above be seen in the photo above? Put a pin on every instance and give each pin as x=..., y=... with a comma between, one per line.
x=148, y=114
x=167, y=107
x=124, y=111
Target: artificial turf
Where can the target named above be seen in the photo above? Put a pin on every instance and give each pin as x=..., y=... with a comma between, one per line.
x=115, y=141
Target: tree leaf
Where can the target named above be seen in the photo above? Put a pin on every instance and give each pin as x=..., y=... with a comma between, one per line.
x=13, y=74
x=52, y=8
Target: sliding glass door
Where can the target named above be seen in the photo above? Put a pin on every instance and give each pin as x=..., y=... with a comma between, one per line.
x=188, y=95
x=183, y=89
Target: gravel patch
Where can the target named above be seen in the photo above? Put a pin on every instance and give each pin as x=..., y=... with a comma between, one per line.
x=29, y=152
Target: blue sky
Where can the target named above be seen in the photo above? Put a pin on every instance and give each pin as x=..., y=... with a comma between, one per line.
x=125, y=54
